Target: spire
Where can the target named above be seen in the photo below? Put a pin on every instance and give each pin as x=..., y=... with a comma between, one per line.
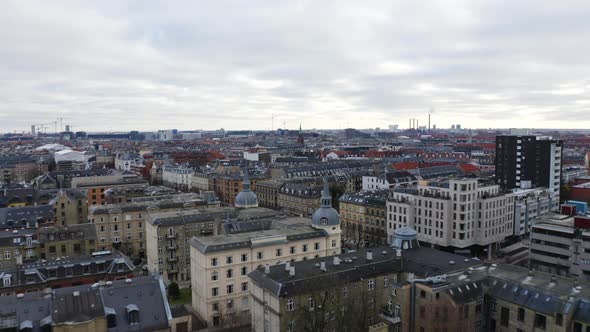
x=246, y=182
x=326, y=197
x=300, y=131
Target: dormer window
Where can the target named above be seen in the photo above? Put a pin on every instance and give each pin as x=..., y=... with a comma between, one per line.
x=6, y=280
x=111, y=317
x=132, y=314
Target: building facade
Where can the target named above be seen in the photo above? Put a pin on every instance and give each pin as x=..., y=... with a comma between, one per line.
x=458, y=213
x=528, y=161
x=363, y=217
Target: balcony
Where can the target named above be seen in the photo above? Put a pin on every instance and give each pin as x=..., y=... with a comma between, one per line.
x=172, y=247
x=389, y=315
x=172, y=259
x=171, y=236
x=207, y=231
x=171, y=270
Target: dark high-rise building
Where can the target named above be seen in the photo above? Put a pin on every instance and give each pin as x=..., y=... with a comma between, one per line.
x=528, y=161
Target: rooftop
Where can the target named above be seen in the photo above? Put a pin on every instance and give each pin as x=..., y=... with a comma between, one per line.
x=259, y=233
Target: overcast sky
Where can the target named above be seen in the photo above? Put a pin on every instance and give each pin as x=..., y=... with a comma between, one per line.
x=123, y=65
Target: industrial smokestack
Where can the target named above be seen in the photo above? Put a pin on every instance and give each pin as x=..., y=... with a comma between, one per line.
x=429, y=122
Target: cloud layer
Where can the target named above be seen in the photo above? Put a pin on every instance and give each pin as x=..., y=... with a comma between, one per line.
x=326, y=64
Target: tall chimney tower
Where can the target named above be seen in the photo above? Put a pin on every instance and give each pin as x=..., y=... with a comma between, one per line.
x=428, y=122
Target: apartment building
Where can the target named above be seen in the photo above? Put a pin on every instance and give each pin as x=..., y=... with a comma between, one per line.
x=560, y=244
x=126, y=194
x=220, y=264
x=70, y=207
x=178, y=177
x=300, y=197
x=95, y=186
x=122, y=226
x=461, y=214
x=528, y=161
x=387, y=180
x=363, y=217
x=268, y=193
x=65, y=272
x=167, y=235
x=65, y=241
x=531, y=204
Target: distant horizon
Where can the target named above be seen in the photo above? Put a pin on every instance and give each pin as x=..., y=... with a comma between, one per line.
x=305, y=130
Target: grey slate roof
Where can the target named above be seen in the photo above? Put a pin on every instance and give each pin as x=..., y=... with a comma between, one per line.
x=25, y=216
x=293, y=228
x=83, y=303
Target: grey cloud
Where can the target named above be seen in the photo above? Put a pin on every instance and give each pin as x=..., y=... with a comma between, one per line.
x=148, y=65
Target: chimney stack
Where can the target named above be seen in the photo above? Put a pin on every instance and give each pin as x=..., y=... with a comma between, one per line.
x=292, y=271
x=323, y=266
x=267, y=269
x=369, y=255
x=336, y=260
x=287, y=266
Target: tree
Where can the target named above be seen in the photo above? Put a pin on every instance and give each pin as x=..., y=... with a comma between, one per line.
x=173, y=290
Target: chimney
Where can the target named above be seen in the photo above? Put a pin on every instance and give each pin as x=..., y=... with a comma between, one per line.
x=336, y=260
x=369, y=255
x=398, y=253
x=292, y=271
x=323, y=266
x=287, y=266
x=267, y=269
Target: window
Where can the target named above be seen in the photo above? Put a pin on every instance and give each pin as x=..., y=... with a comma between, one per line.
x=215, y=307
x=422, y=294
x=371, y=284
x=230, y=289
x=229, y=260
x=290, y=305
x=245, y=286
x=345, y=292
x=291, y=326
x=334, y=243
x=292, y=250
x=316, y=246
x=540, y=321
x=504, y=316
x=215, y=291
x=244, y=257
x=259, y=255
x=244, y=270
x=279, y=252
x=213, y=261
x=521, y=314
x=559, y=319
x=310, y=303
x=230, y=273
x=385, y=282
x=304, y=249
x=7, y=253
x=393, y=291
x=466, y=311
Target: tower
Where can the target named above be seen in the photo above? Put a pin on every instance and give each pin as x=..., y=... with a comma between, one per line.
x=300, y=138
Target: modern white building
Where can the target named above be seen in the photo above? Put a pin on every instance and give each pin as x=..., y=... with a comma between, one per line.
x=560, y=244
x=529, y=205
x=457, y=213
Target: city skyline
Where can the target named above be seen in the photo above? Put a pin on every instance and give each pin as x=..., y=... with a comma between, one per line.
x=113, y=66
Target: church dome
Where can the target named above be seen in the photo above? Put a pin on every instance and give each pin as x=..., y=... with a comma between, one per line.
x=326, y=215
x=246, y=198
